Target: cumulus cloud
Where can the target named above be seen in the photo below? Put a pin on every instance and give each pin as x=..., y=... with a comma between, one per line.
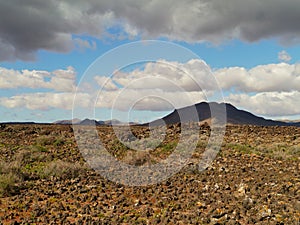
x=157, y=86
x=271, y=90
x=45, y=101
x=149, y=99
x=105, y=83
x=84, y=44
x=59, y=80
x=268, y=103
x=284, y=56
x=262, y=78
x=26, y=27
x=275, y=86
x=194, y=75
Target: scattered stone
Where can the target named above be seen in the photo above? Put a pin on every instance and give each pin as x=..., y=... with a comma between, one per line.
x=247, y=183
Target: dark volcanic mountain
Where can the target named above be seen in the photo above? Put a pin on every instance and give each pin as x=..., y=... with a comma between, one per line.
x=234, y=115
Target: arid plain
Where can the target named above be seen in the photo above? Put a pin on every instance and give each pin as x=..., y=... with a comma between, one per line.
x=253, y=180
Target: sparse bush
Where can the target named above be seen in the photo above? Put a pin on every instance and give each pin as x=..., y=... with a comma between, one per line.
x=45, y=140
x=286, y=152
x=3, y=167
x=117, y=149
x=8, y=183
x=62, y=169
x=246, y=149
x=152, y=144
x=58, y=142
x=137, y=158
x=34, y=168
x=30, y=155
x=10, y=175
x=38, y=148
x=168, y=147
x=12, y=167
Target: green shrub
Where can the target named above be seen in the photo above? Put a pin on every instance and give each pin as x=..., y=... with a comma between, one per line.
x=45, y=140
x=58, y=142
x=168, y=147
x=243, y=148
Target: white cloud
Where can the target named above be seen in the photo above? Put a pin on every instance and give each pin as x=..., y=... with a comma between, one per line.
x=59, y=80
x=269, y=103
x=271, y=90
x=84, y=44
x=148, y=99
x=284, y=56
x=105, y=83
x=45, y=101
x=263, y=78
x=194, y=75
x=157, y=86
x=274, y=85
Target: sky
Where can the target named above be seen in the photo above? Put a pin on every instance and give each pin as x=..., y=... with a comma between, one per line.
x=138, y=60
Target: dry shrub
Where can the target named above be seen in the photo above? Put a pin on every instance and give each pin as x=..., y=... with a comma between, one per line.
x=8, y=184
x=30, y=155
x=137, y=158
x=62, y=169
x=10, y=176
x=45, y=140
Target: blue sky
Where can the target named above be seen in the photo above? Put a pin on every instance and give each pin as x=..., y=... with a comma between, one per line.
x=251, y=49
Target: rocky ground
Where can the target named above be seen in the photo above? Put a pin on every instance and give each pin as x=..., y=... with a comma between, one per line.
x=253, y=180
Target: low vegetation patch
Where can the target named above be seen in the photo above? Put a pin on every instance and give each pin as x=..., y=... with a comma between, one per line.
x=10, y=176
x=8, y=184
x=276, y=151
x=62, y=169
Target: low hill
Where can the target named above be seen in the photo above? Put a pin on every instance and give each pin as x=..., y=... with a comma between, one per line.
x=234, y=115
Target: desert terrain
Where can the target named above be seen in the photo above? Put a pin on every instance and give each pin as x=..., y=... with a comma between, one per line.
x=253, y=180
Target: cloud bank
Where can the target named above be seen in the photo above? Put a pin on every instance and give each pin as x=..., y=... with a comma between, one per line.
x=280, y=77
x=269, y=103
x=58, y=80
x=28, y=26
x=268, y=90
x=45, y=101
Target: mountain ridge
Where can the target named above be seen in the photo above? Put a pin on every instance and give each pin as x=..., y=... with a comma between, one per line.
x=203, y=114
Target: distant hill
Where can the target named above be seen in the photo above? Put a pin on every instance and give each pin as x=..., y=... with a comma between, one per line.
x=234, y=115
x=113, y=122
x=203, y=114
x=20, y=123
x=90, y=122
x=76, y=120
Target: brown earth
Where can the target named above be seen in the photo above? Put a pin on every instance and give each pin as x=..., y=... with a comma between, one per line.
x=253, y=180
